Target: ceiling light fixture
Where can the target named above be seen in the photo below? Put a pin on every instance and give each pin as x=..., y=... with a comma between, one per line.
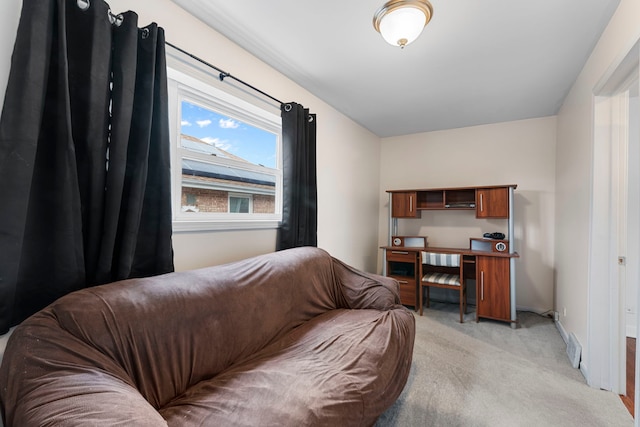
x=401, y=21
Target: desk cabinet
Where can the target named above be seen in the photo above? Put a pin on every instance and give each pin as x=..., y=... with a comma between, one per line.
x=493, y=298
x=404, y=204
x=403, y=266
x=492, y=202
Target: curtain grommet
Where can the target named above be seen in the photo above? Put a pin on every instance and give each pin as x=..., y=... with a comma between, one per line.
x=115, y=19
x=145, y=33
x=83, y=4
x=288, y=107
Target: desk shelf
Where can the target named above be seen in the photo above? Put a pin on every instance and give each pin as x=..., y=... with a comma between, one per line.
x=447, y=199
x=431, y=200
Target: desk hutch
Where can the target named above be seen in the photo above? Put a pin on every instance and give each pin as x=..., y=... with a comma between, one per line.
x=490, y=262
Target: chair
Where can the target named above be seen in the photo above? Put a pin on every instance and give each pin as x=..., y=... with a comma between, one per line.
x=443, y=271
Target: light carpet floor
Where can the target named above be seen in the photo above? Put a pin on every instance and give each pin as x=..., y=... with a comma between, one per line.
x=488, y=374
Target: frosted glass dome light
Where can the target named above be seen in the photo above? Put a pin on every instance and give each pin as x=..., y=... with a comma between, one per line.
x=400, y=22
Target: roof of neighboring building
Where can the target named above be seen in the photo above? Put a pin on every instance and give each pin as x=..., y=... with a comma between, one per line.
x=195, y=168
x=208, y=170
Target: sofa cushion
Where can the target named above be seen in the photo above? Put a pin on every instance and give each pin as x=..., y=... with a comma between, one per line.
x=293, y=382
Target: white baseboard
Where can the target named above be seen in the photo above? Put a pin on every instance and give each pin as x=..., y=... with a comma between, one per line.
x=563, y=332
x=565, y=338
x=584, y=371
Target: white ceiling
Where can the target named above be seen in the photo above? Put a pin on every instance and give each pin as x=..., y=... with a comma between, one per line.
x=477, y=62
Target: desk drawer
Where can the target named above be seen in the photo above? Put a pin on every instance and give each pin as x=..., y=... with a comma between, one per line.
x=401, y=256
x=407, y=290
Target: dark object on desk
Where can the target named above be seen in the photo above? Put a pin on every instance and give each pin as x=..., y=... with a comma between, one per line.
x=496, y=235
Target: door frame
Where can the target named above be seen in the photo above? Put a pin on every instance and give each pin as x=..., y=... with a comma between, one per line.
x=606, y=343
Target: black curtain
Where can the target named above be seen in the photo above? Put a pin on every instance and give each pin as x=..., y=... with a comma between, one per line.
x=84, y=155
x=299, y=192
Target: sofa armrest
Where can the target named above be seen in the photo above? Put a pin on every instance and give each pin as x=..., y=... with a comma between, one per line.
x=361, y=290
x=105, y=405
x=49, y=376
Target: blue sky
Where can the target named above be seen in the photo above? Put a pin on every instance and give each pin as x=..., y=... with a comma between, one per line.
x=252, y=144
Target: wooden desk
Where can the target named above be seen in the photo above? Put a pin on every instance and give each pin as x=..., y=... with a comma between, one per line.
x=491, y=270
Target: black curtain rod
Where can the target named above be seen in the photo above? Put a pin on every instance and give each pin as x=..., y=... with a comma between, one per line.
x=223, y=74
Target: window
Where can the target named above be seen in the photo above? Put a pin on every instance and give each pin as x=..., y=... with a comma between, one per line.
x=240, y=204
x=226, y=166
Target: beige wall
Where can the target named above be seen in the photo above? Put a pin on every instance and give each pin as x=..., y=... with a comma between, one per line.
x=519, y=152
x=574, y=169
x=348, y=155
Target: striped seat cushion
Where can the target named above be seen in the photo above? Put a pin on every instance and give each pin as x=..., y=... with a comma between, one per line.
x=444, y=260
x=442, y=279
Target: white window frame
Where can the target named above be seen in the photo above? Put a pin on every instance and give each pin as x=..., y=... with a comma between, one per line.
x=183, y=85
x=247, y=196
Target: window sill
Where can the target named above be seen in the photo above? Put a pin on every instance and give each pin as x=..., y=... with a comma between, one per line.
x=204, y=225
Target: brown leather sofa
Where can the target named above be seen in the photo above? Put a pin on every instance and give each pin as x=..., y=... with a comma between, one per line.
x=293, y=338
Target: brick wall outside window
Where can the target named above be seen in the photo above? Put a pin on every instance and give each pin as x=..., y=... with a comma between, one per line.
x=218, y=201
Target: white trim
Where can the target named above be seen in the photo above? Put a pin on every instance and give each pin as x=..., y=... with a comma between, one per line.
x=565, y=338
x=190, y=83
x=598, y=297
x=631, y=331
x=563, y=332
x=224, y=100
x=621, y=175
x=195, y=225
x=605, y=352
x=605, y=330
x=636, y=403
x=583, y=369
